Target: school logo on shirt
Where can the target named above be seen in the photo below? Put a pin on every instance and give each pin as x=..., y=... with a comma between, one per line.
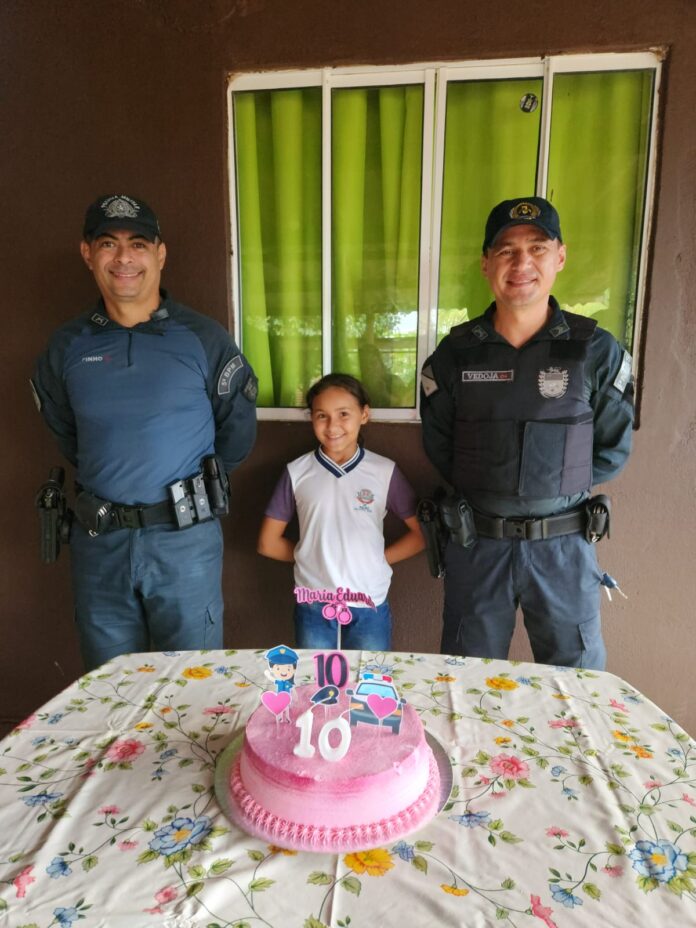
x=365, y=500
x=553, y=383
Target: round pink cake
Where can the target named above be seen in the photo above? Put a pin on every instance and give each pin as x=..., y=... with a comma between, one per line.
x=385, y=787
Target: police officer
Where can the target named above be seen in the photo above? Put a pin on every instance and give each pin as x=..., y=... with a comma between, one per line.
x=152, y=403
x=524, y=410
x=282, y=664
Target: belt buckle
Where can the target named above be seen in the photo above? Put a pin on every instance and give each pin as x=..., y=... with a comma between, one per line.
x=524, y=529
x=129, y=517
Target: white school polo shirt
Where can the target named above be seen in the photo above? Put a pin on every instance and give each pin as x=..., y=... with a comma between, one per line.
x=341, y=509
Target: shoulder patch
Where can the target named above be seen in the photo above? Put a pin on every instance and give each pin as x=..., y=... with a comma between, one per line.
x=623, y=378
x=229, y=370
x=428, y=382
x=35, y=394
x=251, y=388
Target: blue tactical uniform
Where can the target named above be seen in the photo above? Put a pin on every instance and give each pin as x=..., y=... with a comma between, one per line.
x=134, y=410
x=524, y=433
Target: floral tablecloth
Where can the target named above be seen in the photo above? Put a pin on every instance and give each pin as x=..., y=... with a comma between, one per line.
x=573, y=804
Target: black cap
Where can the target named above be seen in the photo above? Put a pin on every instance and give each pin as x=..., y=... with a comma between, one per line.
x=522, y=211
x=118, y=211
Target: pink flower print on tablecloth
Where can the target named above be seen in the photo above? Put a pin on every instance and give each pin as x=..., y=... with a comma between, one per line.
x=542, y=912
x=22, y=881
x=121, y=752
x=508, y=766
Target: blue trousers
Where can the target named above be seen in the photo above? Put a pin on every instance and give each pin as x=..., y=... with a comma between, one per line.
x=370, y=629
x=148, y=589
x=556, y=583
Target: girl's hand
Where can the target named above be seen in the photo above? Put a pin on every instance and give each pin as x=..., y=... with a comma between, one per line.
x=408, y=545
x=272, y=543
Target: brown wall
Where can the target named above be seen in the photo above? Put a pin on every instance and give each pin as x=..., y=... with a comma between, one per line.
x=130, y=97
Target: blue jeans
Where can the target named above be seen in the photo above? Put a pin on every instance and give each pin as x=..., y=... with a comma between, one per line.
x=147, y=589
x=556, y=583
x=370, y=629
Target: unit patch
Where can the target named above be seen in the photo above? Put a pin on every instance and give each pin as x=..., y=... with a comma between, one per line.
x=488, y=376
x=624, y=376
x=553, y=383
x=120, y=208
x=525, y=211
x=428, y=382
x=229, y=370
x=251, y=388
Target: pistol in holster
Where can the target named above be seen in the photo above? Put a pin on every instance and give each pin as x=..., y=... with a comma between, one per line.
x=54, y=515
x=598, y=510
x=428, y=516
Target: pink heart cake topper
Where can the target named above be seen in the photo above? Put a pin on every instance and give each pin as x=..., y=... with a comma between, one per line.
x=275, y=702
x=381, y=706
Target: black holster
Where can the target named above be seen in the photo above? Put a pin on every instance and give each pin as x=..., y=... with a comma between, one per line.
x=598, y=510
x=458, y=518
x=428, y=516
x=54, y=515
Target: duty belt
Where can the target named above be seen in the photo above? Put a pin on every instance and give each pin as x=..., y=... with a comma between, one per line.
x=142, y=516
x=199, y=498
x=565, y=523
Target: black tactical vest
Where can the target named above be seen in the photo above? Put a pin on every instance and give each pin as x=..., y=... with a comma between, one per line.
x=523, y=424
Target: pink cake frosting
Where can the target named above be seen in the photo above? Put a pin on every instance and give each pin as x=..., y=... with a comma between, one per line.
x=385, y=787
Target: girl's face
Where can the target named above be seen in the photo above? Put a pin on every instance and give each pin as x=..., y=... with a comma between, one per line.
x=336, y=418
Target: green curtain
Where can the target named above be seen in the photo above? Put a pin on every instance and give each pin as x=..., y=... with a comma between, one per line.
x=278, y=136
x=376, y=194
x=491, y=145
x=600, y=130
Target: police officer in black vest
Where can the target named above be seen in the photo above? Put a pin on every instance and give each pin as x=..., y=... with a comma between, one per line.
x=524, y=410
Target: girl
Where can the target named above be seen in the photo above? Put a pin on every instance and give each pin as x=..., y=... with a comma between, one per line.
x=341, y=493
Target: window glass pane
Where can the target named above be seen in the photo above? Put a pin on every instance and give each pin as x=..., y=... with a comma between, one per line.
x=491, y=147
x=600, y=129
x=278, y=138
x=377, y=140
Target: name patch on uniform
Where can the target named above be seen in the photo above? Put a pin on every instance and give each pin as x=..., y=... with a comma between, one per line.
x=229, y=370
x=624, y=376
x=487, y=376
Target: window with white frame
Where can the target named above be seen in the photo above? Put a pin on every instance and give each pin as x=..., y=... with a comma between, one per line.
x=359, y=199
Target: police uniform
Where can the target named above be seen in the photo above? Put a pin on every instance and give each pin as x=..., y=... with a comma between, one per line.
x=523, y=434
x=134, y=410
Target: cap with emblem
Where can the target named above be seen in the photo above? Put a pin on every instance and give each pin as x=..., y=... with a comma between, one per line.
x=118, y=211
x=281, y=654
x=522, y=211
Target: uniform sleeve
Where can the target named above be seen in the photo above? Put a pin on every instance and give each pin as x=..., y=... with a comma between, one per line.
x=438, y=409
x=52, y=399
x=612, y=402
x=233, y=389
